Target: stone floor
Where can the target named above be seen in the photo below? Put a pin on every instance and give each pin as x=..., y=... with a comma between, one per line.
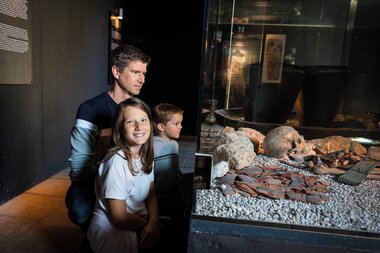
x=36, y=220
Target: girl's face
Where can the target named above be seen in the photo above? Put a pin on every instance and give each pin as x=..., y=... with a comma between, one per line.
x=136, y=128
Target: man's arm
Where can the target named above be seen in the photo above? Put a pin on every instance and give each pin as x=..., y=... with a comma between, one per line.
x=83, y=154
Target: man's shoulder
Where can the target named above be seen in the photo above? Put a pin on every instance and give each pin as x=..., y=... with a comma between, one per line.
x=99, y=99
x=98, y=110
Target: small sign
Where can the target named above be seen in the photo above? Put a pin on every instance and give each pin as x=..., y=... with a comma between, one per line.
x=202, y=171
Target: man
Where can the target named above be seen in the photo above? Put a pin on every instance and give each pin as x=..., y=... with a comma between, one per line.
x=91, y=134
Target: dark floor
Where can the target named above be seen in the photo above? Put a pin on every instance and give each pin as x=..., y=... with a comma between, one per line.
x=36, y=220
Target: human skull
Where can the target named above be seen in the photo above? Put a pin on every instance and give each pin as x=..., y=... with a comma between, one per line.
x=301, y=149
x=284, y=142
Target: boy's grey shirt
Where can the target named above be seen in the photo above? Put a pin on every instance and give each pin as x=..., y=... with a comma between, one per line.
x=167, y=174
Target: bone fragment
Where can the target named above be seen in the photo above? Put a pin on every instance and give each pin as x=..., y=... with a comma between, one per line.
x=323, y=170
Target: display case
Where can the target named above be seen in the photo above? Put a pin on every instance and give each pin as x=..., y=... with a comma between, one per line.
x=300, y=76
x=305, y=63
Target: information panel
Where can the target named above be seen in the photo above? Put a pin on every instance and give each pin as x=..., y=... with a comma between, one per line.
x=15, y=42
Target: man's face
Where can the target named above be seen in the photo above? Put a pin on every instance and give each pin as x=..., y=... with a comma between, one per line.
x=132, y=78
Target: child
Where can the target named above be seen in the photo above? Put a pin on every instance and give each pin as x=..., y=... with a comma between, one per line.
x=168, y=177
x=126, y=214
x=91, y=133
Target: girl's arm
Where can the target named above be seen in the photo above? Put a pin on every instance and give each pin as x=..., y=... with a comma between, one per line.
x=152, y=206
x=124, y=220
x=150, y=233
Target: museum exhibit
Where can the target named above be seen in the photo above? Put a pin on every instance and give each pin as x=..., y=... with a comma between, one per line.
x=280, y=139
x=290, y=114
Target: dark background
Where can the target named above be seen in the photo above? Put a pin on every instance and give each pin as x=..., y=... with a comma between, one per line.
x=171, y=33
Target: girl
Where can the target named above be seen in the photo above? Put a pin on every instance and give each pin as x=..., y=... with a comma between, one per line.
x=126, y=213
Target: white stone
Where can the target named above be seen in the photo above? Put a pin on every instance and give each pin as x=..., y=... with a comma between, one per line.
x=219, y=170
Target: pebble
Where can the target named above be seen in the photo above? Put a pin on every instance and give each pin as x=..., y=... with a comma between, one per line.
x=354, y=208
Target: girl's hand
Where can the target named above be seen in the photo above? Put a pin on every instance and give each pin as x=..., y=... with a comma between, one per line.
x=149, y=236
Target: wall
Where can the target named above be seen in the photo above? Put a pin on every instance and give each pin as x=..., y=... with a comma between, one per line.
x=70, y=54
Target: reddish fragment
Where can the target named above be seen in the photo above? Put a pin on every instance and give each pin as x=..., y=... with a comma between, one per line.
x=287, y=174
x=245, y=178
x=228, y=179
x=296, y=196
x=228, y=190
x=272, y=181
x=245, y=188
x=293, y=195
x=286, y=181
x=312, y=180
x=275, y=187
x=315, y=199
x=324, y=183
x=252, y=171
x=243, y=193
x=297, y=181
x=313, y=193
x=306, y=191
x=254, y=185
x=322, y=186
x=277, y=194
x=263, y=190
x=276, y=183
x=324, y=196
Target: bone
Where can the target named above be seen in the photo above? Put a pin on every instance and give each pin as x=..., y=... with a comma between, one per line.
x=373, y=176
x=323, y=170
x=284, y=141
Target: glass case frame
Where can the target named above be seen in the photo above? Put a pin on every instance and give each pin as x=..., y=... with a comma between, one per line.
x=243, y=41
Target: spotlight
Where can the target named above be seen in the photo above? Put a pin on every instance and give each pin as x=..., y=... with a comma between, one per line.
x=117, y=13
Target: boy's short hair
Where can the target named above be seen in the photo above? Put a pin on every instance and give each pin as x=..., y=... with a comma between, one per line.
x=163, y=112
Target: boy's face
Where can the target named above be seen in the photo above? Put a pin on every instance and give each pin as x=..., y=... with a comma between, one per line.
x=172, y=128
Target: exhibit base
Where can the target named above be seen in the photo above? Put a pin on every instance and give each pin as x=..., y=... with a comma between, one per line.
x=222, y=236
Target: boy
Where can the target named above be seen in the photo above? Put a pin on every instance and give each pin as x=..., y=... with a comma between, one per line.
x=167, y=175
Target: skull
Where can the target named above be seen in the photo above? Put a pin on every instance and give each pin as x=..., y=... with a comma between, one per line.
x=284, y=142
x=302, y=148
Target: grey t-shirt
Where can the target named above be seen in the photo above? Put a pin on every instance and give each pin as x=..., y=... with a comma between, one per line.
x=167, y=174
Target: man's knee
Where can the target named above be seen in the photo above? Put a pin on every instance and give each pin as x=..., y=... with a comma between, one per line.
x=80, y=204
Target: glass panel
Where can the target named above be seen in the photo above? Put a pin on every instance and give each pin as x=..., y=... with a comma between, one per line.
x=251, y=45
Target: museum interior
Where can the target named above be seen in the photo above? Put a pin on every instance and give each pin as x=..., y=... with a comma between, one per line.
x=280, y=145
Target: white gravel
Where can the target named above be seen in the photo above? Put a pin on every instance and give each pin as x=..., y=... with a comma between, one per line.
x=349, y=207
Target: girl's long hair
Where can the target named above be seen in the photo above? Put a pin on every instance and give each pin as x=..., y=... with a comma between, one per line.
x=146, y=151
